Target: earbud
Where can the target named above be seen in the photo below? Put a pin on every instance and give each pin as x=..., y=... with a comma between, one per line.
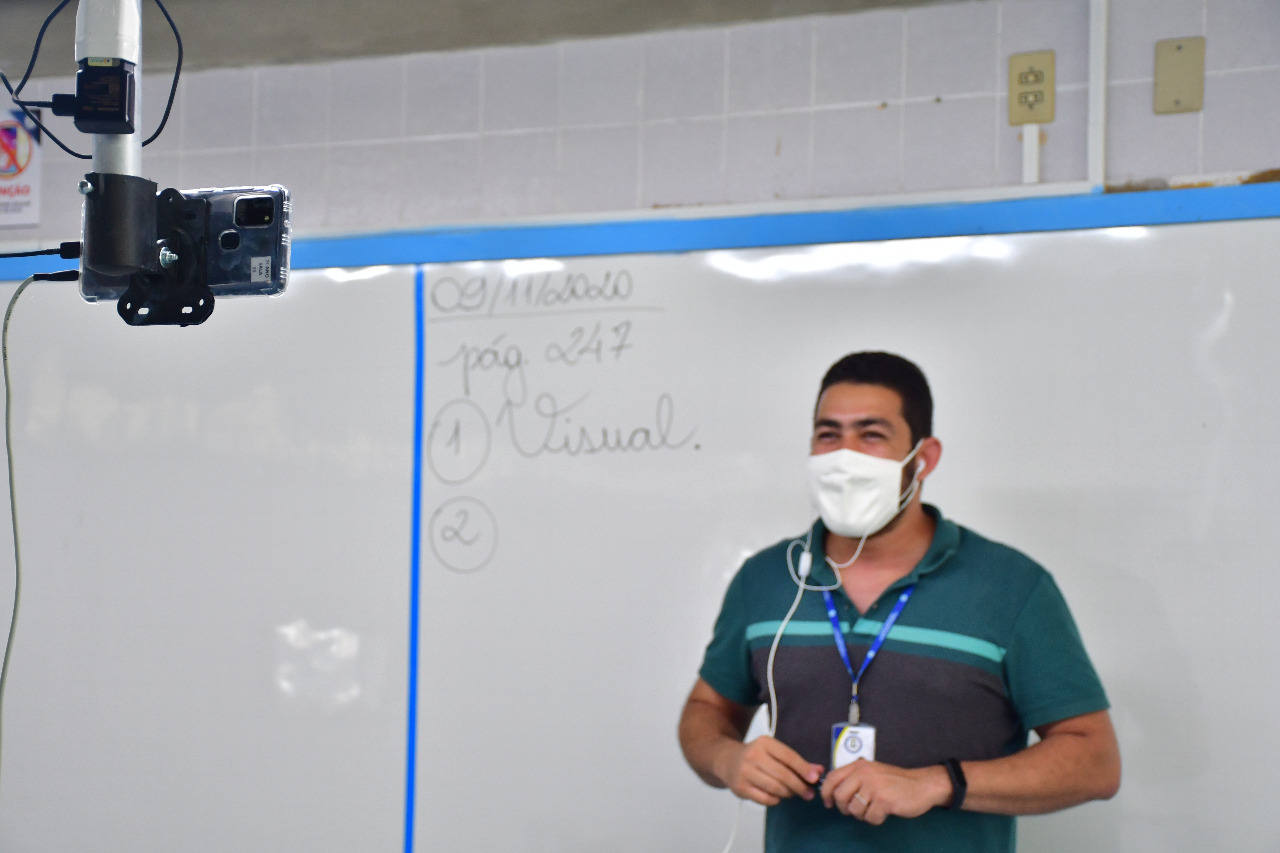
x=806, y=564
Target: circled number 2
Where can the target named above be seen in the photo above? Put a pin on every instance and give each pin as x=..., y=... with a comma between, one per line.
x=463, y=534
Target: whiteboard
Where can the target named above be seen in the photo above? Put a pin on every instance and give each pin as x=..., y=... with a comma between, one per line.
x=210, y=652
x=237, y=634
x=607, y=438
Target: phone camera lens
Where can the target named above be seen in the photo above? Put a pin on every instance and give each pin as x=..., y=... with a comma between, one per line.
x=229, y=240
x=255, y=211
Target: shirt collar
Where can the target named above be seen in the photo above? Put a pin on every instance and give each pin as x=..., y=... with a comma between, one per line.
x=946, y=539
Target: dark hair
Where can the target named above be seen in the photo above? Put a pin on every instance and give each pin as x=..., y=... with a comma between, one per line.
x=895, y=373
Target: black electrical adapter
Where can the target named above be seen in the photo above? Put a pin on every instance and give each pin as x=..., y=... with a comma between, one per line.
x=104, y=97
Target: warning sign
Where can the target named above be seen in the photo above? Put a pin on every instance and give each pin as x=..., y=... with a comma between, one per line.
x=19, y=170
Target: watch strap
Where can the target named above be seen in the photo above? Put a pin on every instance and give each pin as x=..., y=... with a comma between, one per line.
x=959, y=786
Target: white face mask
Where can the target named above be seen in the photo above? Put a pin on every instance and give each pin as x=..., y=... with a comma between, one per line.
x=858, y=494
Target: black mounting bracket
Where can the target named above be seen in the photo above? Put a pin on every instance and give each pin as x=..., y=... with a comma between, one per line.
x=172, y=290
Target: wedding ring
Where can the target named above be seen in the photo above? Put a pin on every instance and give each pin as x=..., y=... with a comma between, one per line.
x=858, y=797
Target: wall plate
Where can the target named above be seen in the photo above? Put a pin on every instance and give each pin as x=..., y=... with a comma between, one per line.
x=1031, y=82
x=1179, y=86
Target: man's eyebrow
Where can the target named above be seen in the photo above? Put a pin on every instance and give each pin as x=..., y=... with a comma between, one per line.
x=860, y=423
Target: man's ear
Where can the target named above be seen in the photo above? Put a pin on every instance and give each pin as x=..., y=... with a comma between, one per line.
x=928, y=457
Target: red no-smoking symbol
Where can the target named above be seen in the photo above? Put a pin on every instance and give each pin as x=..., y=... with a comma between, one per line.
x=16, y=146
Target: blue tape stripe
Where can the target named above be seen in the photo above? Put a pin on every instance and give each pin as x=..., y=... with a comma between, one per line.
x=411, y=748
x=1053, y=213
x=1058, y=213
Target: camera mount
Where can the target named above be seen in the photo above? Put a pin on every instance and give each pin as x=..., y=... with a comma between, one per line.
x=163, y=255
x=156, y=243
x=175, y=292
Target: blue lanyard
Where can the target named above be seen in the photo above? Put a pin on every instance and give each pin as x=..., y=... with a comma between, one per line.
x=875, y=644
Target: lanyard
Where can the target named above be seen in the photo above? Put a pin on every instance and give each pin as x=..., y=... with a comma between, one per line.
x=854, y=711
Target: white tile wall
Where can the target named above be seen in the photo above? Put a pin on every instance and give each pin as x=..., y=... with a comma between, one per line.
x=1136, y=26
x=367, y=180
x=951, y=50
x=599, y=168
x=440, y=179
x=1233, y=101
x=367, y=100
x=1058, y=25
x=858, y=58
x=684, y=74
x=682, y=163
x=221, y=114
x=969, y=125
x=857, y=151
x=293, y=105
x=1243, y=34
x=770, y=66
x=521, y=88
x=869, y=103
x=1143, y=146
x=442, y=93
x=600, y=82
x=767, y=157
x=518, y=173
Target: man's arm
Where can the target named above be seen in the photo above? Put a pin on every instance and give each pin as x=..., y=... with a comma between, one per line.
x=765, y=771
x=1076, y=760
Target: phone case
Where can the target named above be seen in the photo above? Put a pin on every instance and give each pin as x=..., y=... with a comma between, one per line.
x=242, y=258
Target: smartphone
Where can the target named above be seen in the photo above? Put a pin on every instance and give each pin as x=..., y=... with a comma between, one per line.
x=247, y=245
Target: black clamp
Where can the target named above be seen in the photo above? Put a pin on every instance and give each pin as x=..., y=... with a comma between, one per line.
x=173, y=290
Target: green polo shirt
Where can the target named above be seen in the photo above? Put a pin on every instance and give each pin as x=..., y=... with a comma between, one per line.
x=984, y=651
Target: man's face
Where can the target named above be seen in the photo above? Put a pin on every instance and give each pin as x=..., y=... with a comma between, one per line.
x=865, y=418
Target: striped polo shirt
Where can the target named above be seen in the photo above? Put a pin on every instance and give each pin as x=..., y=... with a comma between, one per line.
x=984, y=651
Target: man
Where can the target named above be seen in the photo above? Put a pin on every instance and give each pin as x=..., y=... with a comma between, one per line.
x=983, y=651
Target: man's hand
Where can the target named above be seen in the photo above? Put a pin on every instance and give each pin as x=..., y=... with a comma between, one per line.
x=1076, y=760
x=871, y=791
x=766, y=771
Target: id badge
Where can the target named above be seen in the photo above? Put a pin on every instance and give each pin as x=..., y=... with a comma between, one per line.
x=849, y=743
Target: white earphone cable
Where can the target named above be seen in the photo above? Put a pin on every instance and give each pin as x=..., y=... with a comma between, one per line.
x=800, y=574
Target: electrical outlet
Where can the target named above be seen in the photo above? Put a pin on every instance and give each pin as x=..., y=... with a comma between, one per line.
x=1179, y=86
x=1031, y=84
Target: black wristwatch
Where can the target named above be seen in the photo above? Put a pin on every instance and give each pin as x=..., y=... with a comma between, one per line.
x=958, y=784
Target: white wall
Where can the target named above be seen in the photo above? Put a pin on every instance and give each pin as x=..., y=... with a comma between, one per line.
x=889, y=101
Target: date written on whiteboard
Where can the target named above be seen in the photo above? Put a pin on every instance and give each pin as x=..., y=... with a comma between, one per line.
x=500, y=295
